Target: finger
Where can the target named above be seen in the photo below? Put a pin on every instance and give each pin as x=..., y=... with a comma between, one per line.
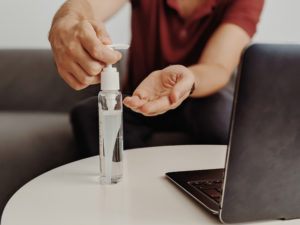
x=181, y=89
x=97, y=79
x=141, y=94
x=89, y=65
x=81, y=75
x=77, y=53
x=134, y=102
x=101, y=33
x=95, y=48
x=70, y=79
x=157, y=106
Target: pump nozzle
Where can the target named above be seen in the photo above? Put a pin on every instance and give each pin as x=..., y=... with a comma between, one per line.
x=118, y=46
x=110, y=78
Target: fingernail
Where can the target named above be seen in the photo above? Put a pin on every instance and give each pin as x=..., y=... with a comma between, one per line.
x=106, y=40
x=120, y=55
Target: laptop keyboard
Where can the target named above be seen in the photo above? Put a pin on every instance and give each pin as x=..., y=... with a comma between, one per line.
x=212, y=188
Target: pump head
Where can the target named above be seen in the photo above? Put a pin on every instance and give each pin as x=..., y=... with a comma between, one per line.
x=110, y=79
x=110, y=76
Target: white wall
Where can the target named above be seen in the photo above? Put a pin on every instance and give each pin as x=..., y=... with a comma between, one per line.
x=279, y=22
x=25, y=23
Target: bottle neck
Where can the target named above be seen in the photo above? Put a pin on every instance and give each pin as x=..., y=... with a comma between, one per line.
x=110, y=91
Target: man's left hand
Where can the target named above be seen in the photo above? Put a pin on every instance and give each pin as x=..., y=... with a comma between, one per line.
x=161, y=91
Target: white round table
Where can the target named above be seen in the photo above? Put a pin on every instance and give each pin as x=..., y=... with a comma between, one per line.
x=72, y=195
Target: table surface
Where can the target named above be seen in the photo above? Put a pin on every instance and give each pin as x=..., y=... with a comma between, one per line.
x=72, y=195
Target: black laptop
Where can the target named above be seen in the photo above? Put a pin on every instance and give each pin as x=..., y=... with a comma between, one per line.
x=261, y=179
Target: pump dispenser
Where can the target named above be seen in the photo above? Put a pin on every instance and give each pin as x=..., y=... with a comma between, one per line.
x=110, y=124
x=110, y=82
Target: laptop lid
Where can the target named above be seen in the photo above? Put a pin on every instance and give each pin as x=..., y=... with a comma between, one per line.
x=262, y=177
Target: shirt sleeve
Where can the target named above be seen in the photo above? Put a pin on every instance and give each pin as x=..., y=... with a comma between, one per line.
x=245, y=14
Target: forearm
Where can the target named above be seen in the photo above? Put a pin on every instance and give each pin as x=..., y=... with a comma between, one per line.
x=209, y=79
x=219, y=59
x=97, y=10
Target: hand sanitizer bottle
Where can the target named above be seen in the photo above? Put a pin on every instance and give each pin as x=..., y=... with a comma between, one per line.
x=110, y=125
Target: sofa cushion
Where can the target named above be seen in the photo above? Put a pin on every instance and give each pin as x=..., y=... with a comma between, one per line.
x=29, y=81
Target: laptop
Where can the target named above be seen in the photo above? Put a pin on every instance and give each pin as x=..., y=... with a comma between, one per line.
x=261, y=179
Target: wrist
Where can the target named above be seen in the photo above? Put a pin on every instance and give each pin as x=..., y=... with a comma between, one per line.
x=73, y=10
x=66, y=21
x=192, y=89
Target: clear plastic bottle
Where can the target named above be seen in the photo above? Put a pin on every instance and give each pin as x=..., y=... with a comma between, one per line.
x=110, y=124
x=110, y=136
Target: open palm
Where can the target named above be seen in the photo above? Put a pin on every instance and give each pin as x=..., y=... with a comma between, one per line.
x=161, y=91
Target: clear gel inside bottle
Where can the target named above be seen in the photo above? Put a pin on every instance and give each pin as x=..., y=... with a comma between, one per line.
x=110, y=124
x=111, y=137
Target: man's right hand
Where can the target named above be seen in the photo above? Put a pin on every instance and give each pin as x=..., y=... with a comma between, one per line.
x=80, y=52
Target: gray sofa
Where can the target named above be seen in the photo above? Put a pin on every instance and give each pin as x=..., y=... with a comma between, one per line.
x=35, y=131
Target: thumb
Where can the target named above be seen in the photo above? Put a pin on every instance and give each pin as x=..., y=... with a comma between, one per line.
x=181, y=89
x=101, y=33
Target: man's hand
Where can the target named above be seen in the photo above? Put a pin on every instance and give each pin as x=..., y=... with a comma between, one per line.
x=161, y=91
x=79, y=50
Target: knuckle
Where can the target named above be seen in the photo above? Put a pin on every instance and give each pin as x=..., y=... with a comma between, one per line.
x=95, y=52
x=77, y=87
x=96, y=80
x=85, y=80
x=94, y=69
x=81, y=24
x=99, y=27
x=83, y=29
x=79, y=34
x=71, y=48
x=102, y=55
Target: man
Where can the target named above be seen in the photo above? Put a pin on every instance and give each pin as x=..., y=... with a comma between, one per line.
x=183, y=53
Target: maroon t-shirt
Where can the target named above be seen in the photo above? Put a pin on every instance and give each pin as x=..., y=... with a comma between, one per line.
x=161, y=36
